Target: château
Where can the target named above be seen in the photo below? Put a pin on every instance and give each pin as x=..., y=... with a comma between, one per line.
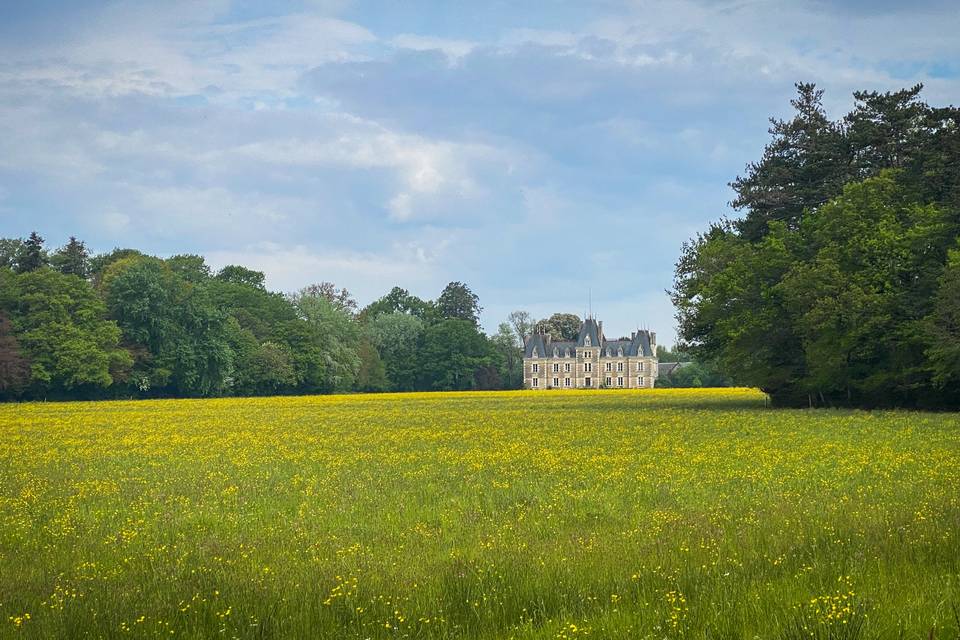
x=590, y=361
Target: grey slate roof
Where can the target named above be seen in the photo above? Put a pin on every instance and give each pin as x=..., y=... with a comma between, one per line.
x=614, y=346
x=534, y=342
x=642, y=343
x=637, y=345
x=589, y=328
x=561, y=348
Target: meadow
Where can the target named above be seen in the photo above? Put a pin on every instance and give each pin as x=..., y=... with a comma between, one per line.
x=604, y=514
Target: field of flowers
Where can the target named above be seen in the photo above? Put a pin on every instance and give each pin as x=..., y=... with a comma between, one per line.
x=635, y=514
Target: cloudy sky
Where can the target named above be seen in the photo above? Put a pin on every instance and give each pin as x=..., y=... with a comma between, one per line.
x=536, y=153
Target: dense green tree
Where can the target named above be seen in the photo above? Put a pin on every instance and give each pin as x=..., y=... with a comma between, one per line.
x=72, y=258
x=60, y=326
x=451, y=355
x=260, y=311
x=14, y=367
x=507, y=345
x=33, y=256
x=10, y=252
x=339, y=298
x=372, y=374
x=728, y=305
x=170, y=327
x=190, y=267
x=236, y=274
x=400, y=300
x=835, y=288
x=852, y=296
x=457, y=301
x=100, y=262
x=942, y=327
x=261, y=368
x=184, y=333
x=560, y=326
x=264, y=323
x=396, y=336
x=338, y=336
x=694, y=374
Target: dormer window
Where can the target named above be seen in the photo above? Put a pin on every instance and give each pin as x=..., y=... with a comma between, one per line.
x=620, y=351
x=535, y=355
x=586, y=341
x=566, y=353
x=609, y=352
x=556, y=352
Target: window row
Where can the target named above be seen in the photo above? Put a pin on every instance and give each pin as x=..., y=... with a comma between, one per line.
x=587, y=382
x=587, y=367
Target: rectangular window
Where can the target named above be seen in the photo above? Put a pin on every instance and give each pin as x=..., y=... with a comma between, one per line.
x=586, y=382
x=619, y=366
x=535, y=381
x=639, y=366
x=609, y=364
x=556, y=382
x=536, y=367
x=619, y=381
x=608, y=382
x=640, y=382
x=556, y=367
x=566, y=367
x=588, y=366
x=566, y=382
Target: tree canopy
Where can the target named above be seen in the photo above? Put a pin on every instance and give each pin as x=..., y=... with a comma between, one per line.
x=126, y=324
x=837, y=286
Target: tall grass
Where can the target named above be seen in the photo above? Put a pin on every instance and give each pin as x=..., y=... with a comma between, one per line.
x=636, y=514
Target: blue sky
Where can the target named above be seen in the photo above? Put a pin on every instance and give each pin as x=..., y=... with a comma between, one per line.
x=537, y=151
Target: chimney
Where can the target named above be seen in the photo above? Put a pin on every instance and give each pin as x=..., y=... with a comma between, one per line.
x=600, y=331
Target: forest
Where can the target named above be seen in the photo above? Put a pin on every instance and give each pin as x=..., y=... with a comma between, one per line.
x=840, y=282
x=126, y=324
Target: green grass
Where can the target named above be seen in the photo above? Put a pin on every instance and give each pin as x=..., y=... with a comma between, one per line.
x=639, y=514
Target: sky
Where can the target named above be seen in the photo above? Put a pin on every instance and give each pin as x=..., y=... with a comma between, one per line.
x=549, y=154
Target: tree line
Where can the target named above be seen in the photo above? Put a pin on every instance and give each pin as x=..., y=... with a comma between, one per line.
x=840, y=283
x=691, y=373
x=126, y=324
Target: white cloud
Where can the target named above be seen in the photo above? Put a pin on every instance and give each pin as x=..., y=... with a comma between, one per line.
x=453, y=49
x=177, y=50
x=424, y=168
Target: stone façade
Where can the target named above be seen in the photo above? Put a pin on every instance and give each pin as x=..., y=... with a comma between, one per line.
x=590, y=361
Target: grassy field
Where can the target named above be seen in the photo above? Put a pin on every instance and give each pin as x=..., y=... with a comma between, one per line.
x=640, y=514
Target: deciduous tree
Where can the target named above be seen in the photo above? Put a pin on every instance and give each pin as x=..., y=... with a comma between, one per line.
x=14, y=367
x=560, y=326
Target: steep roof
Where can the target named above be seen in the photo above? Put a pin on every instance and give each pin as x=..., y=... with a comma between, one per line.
x=561, y=348
x=534, y=342
x=591, y=329
x=638, y=344
x=641, y=343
